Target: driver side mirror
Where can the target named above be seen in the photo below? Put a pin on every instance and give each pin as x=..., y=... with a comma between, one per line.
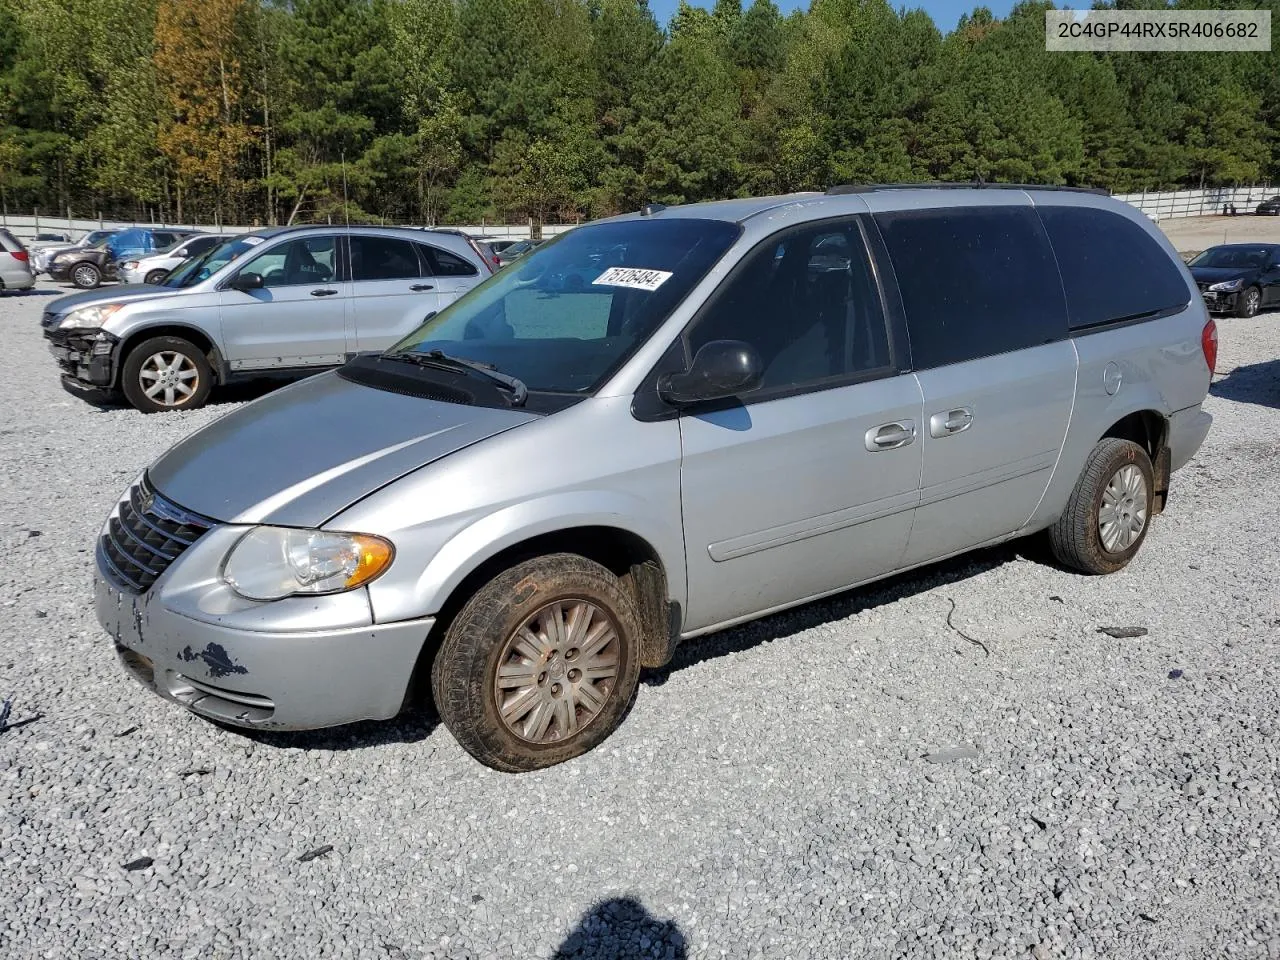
x=244, y=282
x=720, y=369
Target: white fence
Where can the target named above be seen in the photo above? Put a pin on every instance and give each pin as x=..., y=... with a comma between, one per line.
x=28, y=226
x=1199, y=203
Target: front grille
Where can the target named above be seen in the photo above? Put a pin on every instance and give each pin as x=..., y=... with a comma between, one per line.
x=147, y=534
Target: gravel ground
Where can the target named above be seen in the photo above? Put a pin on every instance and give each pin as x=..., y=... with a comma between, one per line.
x=851, y=779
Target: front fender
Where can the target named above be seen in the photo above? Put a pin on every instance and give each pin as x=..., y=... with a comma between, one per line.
x=477, y=542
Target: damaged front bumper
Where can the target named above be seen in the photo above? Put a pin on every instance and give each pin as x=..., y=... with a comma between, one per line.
x=294, y=677
x=85, y=356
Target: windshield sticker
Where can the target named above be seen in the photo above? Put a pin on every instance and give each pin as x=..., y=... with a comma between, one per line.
x=253, y=241
x=632, y=277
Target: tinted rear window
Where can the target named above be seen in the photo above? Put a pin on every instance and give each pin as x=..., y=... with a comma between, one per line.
x=441, y=263
x=1111, y=269
x=975, y=281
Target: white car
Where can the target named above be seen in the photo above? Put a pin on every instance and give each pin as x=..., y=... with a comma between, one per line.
x=156, y=267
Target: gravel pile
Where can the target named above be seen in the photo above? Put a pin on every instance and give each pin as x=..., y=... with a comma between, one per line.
x=851, y=779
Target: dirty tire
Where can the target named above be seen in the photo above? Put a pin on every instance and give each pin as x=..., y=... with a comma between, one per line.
x=464, y=674
x=155, y=276
x=1076, y=539
x=192, y=359
x=1249, y=302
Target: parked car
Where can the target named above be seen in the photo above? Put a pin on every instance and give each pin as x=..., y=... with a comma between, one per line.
x=43, y=238
x=516, y=250
x=283, y=301
x=1239, y=278
x=527, y=499
x=498, y=245
x=1269, y=208
x=15, y=264
x=479, y=244
x=156, y=267
x=87, y=268
x=44, y=256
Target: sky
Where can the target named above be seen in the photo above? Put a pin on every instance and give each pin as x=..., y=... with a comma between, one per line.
x=946, y=13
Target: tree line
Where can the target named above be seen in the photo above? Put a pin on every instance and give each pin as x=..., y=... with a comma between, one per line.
x=439, y=111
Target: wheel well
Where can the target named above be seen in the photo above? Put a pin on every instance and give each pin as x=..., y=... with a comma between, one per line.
x=1149, y=430
x=628, y=556
x=197, y=337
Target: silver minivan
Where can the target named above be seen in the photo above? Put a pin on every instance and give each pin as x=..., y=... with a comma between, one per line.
x=653, y=427
x=281, y=301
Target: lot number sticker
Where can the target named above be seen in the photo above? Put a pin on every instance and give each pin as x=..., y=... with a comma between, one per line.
x=632, y=277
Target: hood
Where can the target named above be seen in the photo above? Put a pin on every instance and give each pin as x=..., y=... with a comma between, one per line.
x=1219, y=274
x=122, y=293
x=300, y=455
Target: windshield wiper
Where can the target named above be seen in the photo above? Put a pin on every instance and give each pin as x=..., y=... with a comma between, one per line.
x=442, y=361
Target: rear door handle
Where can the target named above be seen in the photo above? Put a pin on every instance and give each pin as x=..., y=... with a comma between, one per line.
x=950, y=422
x=324, y=292
x=419, y=287
x=890, y=436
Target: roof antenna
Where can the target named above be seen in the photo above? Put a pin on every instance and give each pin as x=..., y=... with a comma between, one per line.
x=649, y=209
x=346, y=208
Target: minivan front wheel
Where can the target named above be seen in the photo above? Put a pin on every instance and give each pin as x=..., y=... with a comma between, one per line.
x=1107, y=517
x=166, y=373
x=540, y=665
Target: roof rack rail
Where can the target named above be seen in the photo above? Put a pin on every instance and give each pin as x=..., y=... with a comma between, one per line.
x=846, y=188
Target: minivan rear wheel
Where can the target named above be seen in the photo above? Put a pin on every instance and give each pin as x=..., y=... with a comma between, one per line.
x=166, y=373
x=540, y=665
x=1106, y=519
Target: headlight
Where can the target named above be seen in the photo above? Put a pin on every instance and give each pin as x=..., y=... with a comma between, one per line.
x=1229, y=286
x=270, y=563
x=131, y=265
x=87, y=318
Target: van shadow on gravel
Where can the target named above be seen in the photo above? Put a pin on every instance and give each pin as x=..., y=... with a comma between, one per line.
x=619, y=929
x=843, y=605
x=412, y=726
x=1257, y=383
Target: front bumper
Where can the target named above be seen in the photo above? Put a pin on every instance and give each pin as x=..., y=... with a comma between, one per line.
x=1218, y=302
x=85, y=356
x=282, y=681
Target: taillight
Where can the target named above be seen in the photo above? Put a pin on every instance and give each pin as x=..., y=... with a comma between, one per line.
x=20, y=255
x=1209, y=344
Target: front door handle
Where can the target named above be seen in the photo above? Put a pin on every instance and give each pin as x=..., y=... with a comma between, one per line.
x=323, y=292
x=890, y=436
x=950, y=422
x=419, y=287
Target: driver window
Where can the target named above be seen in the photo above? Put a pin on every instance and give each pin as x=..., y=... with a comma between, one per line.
x=807, y=303
x=295, y=262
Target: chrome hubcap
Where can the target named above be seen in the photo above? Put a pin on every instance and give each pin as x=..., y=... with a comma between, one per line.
x=85, y=275
x=557, y=670
x=1123, y=513
x=169, y=378
x=1251, y=301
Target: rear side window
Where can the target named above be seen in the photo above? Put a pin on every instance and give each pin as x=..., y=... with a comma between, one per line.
x=1111, y=269
x=442, y=263
x=975, y=281
x=382, y=258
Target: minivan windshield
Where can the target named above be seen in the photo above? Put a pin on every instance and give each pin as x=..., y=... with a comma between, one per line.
x=1243, y=256
x=203, y=267
x=567, y=314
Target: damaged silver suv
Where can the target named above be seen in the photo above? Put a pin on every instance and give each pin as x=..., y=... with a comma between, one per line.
x=653, y=427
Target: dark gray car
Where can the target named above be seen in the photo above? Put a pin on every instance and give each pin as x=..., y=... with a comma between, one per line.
x=654, y=427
